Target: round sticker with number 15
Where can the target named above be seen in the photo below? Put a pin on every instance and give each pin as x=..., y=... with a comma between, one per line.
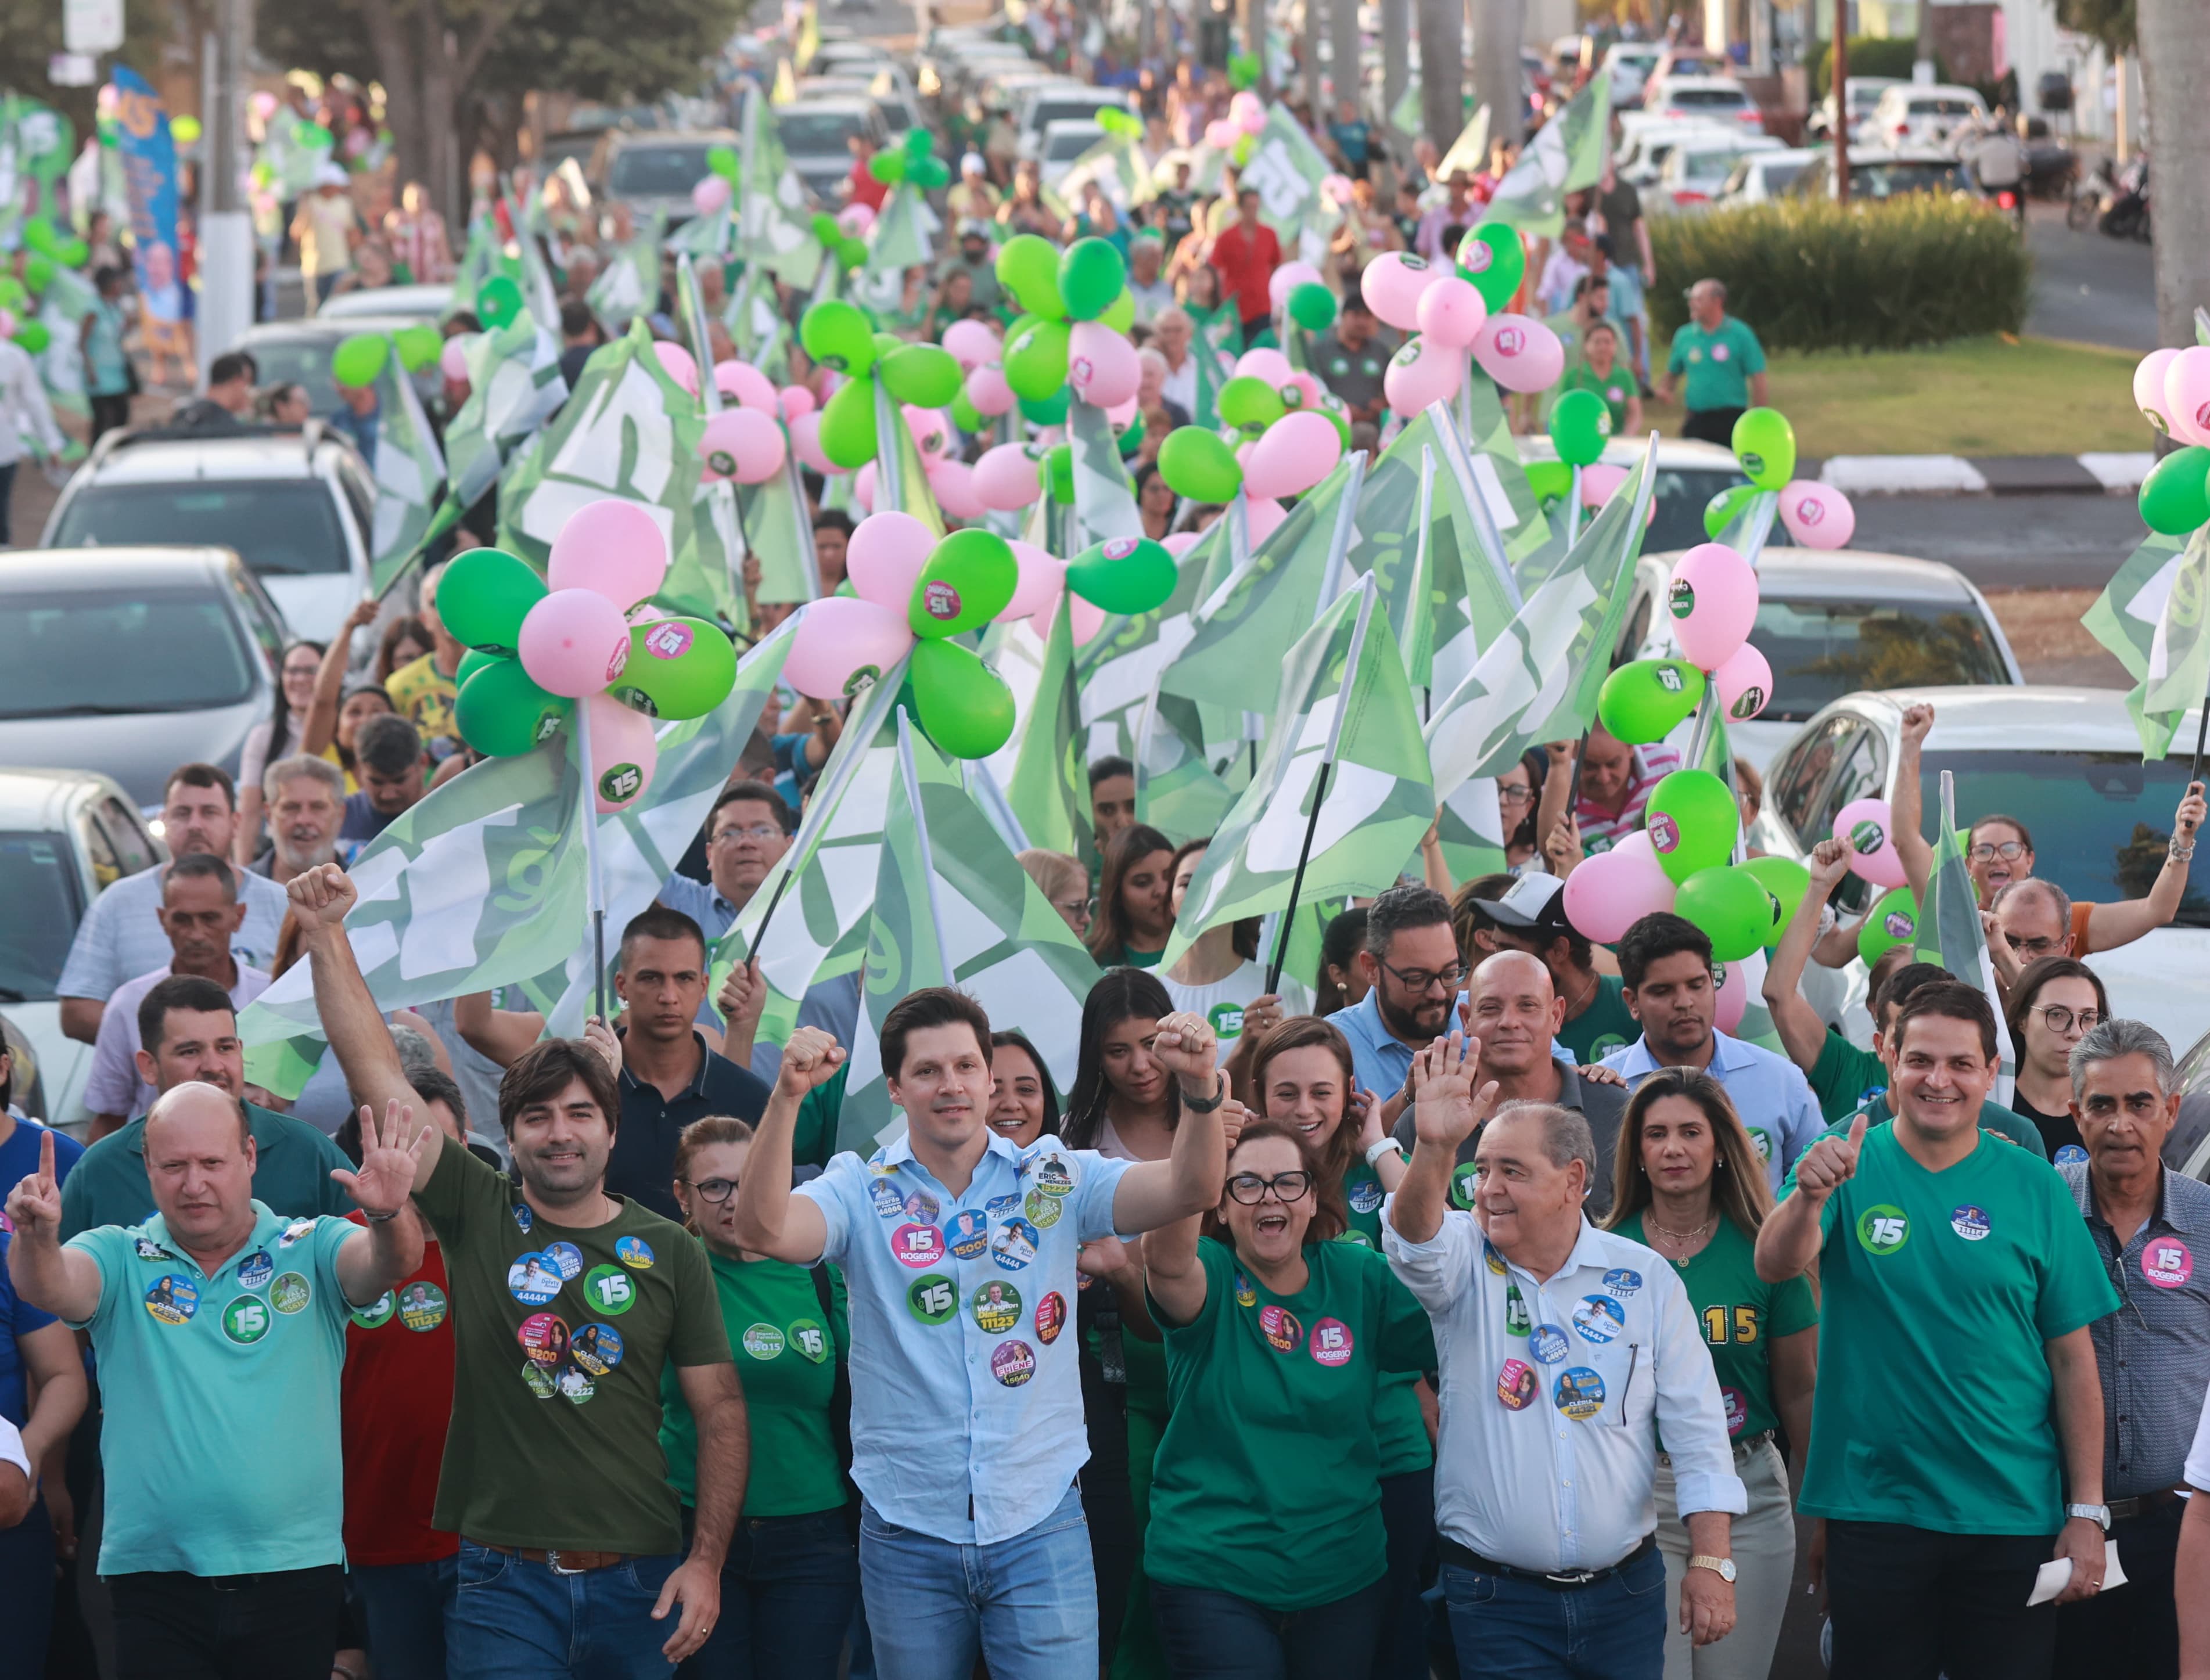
x=610, y=1290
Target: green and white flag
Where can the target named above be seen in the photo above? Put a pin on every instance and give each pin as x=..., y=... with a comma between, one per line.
x=630, y=283
x=712, y=236
x=1104, y=500
x=904, y=233
x=1950, y=932
x=1566, y=154
x=2150, y=616
x=409, y=473
x=953, y=908
x=1116, y=162
x=778, y=530
x=1287, y=168
x=775, y=229
x=1343, y=712
x=539, y=293
x=1513, y=516
x=1468, y=152
x=1537, y=682
x=514, y=387
x=1049, y=791
x=479, y=260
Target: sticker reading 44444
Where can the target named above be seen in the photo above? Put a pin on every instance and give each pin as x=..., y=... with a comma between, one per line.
x=1882, y=1228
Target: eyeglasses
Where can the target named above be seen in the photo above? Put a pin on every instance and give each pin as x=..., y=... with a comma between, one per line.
x=2010, y=851
x=1515, y=796
x=716, y=1190
x=2060, y=1019
x=1250, y=1190
x=758, y=831
x=1075, y=907
x=2040, y=945
x=1419, y=980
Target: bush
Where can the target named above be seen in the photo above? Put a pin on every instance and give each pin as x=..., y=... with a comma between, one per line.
x=1812, y=274
x=1874, y=55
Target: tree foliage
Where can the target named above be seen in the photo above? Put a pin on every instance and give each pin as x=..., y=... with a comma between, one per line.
x=2109, y=23
x=31, y=33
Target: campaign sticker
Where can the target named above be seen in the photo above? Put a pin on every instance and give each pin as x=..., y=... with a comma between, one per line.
x=1331, y=1342
x=1622, y=1281
x=1579, y=1393
x=532, y=1279
x=939, y=599
x=289, y=1293
x=1012, y=1362
x=596, y=1347
x=810, y=1341
x=1280, y=1327
x=377, y=1312
x=1053, y=1176
x=1016, y=1245
x=889, y=1204
x=2166, y=1262
x=150, y=1250
x=1548, y=1344
x=968, y=1233
x=1003, y=1206
x=295, y=1232
x=1971, y=1223
x=609, y=1290
x=1366, y=1195
x=1042, y=1209
x=523, y=1217
x=1599, y=1318
x=257, y=1271
x=1464, y=1180
x=1762, y=1139
x=1356, y=1237
x=1736, y=1405
x=422, y=1306
x=2070, y=1154
x=1882, y=1228
x=544, y=1339
x=1517, y=1320
x=932, y=1299
x=763, y=1341
x=920, y=1206
x=538, y=1378
x=575, y=1384
x=634, y=1252
x=917, y=1245
x=246, y=1320
x=997, y=1307
x=565, y=1258
x=1245, y=1295
x=1495, y=1259
x=1516, y=1384
x=1050, y=1317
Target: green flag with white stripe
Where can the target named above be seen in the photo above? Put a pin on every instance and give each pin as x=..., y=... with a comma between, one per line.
x=1950, y=932
x=514, y=387
x=2150, y=616
x=775, y=229
x=1287, y=168
x=1049, y=791
x=630, y=283
x=1104, y=500
x=410, y=473
x=1566, y=154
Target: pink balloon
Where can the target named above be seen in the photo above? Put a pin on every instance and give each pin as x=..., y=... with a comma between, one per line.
x=1745, y=683
x=1293, y=454
x=1181, y=542
x=970, y=344
x=841, y=638
x=1519, y=353
x=1742, y=981
x=1336, y=189
x=623, y=754
x=574, y=642
x=1269, y=365
x=743, y=444
x=1084, y=620
x=710, y=195
x=952, y=484
x=1287, y=278
x=931, y=430
x=2186, y=394
x=1246, y=113
x=795, y=400
x=856, y=218
x=742, y=382
x=1005, y=479
x=1817, y=515
x=863, y=488
x=1220, y=134
x=1121, y=415
x=1393, y=283
x=1264, y=517
x=677, y=360
x=987, y=391
x=2148, y=387
x=805, y=443
x=1422, y=372
x=1102, y=368
x=1608, y=894
x=1043, y=576
x=452, y=360
x=612, y=547
x=1450, y=312
x=1243, y=453
x=1869, y=828
x=1600, y=482
x=1306, y=391
x=1713, y=601
x=886, y=555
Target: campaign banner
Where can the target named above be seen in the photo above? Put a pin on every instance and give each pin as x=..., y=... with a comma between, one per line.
x=148, y=151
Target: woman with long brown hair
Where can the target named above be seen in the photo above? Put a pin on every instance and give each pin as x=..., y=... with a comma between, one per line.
x=1692, y=1188
x=1135, y=905
x=2053, y=1005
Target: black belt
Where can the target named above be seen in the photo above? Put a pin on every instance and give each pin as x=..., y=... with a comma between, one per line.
x=1560, y=1580
x=2142, y=1504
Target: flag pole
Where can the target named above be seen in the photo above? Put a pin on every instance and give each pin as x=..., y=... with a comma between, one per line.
x=594, y=886
x=1573, y=510
x=912, y=778
x=2201, y=733
x=1296, y=885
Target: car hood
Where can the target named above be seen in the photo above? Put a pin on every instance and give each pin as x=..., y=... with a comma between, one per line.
x=313, y=607
x=138, y=749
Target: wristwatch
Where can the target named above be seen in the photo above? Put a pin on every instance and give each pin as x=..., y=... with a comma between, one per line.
x=1722, y=1567
x=1385, y=1146
x=1219, y=1096
x=2098, y=1514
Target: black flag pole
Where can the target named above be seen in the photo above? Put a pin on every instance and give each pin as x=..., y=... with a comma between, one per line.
x=1297, y=884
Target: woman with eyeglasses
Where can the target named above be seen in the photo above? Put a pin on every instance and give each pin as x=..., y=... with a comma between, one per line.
x=1221, y=978
x=1519, y=792
x=793, y=1573
x=2053, y=1005
x=1692, y=1188
x=1267, y=1551
x=1063, y=882
x=1135, y=907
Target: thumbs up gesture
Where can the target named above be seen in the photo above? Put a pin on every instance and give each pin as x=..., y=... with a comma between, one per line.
x=1831, y=1162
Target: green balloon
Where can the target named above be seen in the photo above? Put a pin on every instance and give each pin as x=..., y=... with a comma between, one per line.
x=1765, y=444
x=964, y=414
x=1642, y=701
x=848, y=424
x=925, y=374
x=38, y=234
x=1550, y=480
x=1120, y=313
x=484, y=596
x=1893, y=920
x=1090, y=276
x=1722, y=509
x=12, y=295
x=966, y=709
x=930, y=173
x=501, y=713
x=2175, y=497
x=33, y=337
x=1058, y=470
x=825, y=228
x=418, y=347
x=1580, y=421
x=968, y=579
x=1115, y=120
x=38, y=271
x=1131, y=437
x=918, y=143
x=498, y=301
x=887, y=167
x=72, y=253
x=471, y=662
x=1787, y=881
x=1195, y=462
x=837, y=334
x=852, y=253
x=1050, y=412
x=1035, y=362
x=678, y=668
x=1492, y=257
x=1028, y=268
x=1731, y=906
x=1337, y=411
x=724, y=162
x=357, y=360
x=1312, y=306
x=1123, y=575
x=315, y=136
x=1249, y=403
x=1243, y=70
x=1693, y=820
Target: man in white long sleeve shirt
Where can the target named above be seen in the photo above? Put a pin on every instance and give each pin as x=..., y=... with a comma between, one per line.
x=1565, y=1353
x=24, y=412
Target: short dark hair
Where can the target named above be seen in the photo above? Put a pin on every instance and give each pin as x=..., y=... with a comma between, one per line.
x=231, y=365
x=657, y=921
x=1659, y=933
x=1104, y=769
x=1401, y=909
x=2025, y=994
x=1355, y=299
x=544, y=1070
x=389, y=745
x=178, y=992
x=575, y=318
x=932, y=1006
x=202, y=775
x=1953, y=999
x=1896, y=990
x=758, y=793
x=833, y=519
x=432, y=1085
x=202, y=866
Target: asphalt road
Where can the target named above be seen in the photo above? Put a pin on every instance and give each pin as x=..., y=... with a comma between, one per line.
x=2008, y=542
x=2088, y=287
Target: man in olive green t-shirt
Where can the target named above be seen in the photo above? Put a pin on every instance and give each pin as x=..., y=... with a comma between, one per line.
x=1958, y=1407
x=1724, y=361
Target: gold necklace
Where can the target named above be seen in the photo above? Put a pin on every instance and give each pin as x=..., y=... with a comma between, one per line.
x=1680, y=1238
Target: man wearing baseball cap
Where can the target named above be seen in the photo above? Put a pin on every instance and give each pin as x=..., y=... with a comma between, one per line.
x=977, y=259
x=1531, y=918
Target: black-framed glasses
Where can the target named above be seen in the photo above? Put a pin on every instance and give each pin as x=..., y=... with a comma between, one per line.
x=1418, y=980
x=1507, y=794
x=2041, y=945
x=2010, y=850
x=716, y=1190
x=1250, y=1190
x=2059, y=1019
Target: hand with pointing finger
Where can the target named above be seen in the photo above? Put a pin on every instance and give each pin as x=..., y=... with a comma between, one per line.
x=35, y=1206
x=1831, y=1162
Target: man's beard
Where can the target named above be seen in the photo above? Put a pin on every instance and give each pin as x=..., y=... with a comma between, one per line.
x=290, y=862
x=1405, y=1023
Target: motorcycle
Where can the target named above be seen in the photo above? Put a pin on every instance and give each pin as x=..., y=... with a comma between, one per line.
x=2125, y=210
x=2088, y=192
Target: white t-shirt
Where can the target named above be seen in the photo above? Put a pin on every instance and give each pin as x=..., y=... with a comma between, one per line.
x=114, y=1086
x=11, y=1448
x=1223, y=1002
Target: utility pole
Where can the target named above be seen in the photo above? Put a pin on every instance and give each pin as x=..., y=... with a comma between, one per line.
x=1840, y=81
x=225, y=227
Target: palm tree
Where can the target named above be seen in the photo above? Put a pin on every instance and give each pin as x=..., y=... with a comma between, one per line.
x=2174, y=60
x=1442, y=73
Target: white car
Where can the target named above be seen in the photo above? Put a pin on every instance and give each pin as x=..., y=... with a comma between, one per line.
x=1761, y=177
x=1698, y=167
x=1703, y=98
x=416, y=302
x=1689, y=473
x=1646, y=141
x=1878, y=173
x=1864, y=94
x=2065, y=761
x=1061, y=102
x=1063, y=142
x=1630, y=63
x=1908, y=115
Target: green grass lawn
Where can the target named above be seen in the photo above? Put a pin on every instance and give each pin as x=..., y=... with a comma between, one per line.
x=1973, y=397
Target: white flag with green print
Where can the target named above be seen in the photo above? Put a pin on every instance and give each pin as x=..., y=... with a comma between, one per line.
x=775, y=229
x=2150, y=616
x=1117, y=668
x=1468, y=152
x=1049, y=789
x=1287, y=168
x=1104, y=500
x=514, y=387
x=1566, y=154
x=409, y=473
x=630, y=283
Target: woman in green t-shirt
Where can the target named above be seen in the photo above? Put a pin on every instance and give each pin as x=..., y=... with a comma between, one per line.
x=1692, y=1188
x=1599, y=371
x=1266, y=1530
x=1135, y=902
x=793, y=1573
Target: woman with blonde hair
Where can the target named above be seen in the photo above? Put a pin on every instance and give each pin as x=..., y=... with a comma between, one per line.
x=1063, y=883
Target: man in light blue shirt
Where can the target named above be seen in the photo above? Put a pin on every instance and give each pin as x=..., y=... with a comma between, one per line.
x=1665, y=963
x=967, y=1431
x=1413, y=971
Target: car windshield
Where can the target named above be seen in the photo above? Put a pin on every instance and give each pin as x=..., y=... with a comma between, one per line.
x=1081, y=108
x=1821, y=650
x=303, y=361
x=1942, y=107
x=1707, y=166
x=2099, y=820
x=92, y=652
x=1690, y=99
x=1898, y=180
x=38, y=912
x=1679, y=499
x=1067, y=146
x=287, y=528
x=656, y=171
x=813, y=131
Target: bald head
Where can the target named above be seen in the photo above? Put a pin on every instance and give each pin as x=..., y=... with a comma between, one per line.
x=184, y=1108
x=2035, y=918
x=1515, y=1013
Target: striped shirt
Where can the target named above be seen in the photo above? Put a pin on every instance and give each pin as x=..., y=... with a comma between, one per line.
x=1600, y=830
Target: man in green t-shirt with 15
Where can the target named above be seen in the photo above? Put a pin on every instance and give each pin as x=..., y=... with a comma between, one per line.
x=1724, y=361
x=1955, y=1362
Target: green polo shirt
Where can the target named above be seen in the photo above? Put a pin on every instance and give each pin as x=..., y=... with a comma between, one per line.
x=185, y=1360
x=1605, y=1026
x=291, y=1173
x=1718, y=364
x=1846, y=1079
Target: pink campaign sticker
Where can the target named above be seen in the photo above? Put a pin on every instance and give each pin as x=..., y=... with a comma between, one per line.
x=1738, y=1409
x=2166, y=1263
x=669, y=639
x=940, y=599
x=1664, y=832
x=1119, y=548
x=917, y=1245
x=1331, y=1342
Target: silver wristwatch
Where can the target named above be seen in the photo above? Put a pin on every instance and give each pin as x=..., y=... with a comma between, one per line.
x=2098, y=1514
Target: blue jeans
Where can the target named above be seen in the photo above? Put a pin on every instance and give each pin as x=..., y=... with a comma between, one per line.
x=1508, y=1629
x=404, y=1607
x=1028, y=1604
x=786, y=1595
x=1210, y=1635
x=512, y=1619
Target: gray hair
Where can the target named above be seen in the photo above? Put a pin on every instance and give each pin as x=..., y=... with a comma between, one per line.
x=2034, y=886
x=299, y=765
x=1566, y=1134
x=1154, y=360
x=2109, y=1039
x=1177, y=314
x=1717, y=288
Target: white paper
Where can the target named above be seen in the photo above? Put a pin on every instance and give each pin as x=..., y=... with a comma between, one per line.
x=2048, y=1580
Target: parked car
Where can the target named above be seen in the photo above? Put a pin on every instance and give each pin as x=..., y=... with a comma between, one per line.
x=1689, y=473
x=65, y=837
x=1063, y=142
x=1762, y=175
x=1878, y=172
x=129, y=661
x=1066, y=102
x=299, y=352
x=652, y=172
x=817, y=136
x=298, y=507
x=414, y=304
x=1698, y=166
x=26, y=1086
x=1909, y=115
x=1630, y=63
x=1864, y=93
x=1703, y=97
x=1646, y=142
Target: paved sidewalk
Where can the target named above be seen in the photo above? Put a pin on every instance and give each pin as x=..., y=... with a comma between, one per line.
x=2092, y=474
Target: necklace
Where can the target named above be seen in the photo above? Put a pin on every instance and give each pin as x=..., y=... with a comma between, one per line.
x=1574, y=1007
x=1679, y=1238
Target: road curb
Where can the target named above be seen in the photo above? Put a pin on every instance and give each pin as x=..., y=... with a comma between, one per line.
x=2096, y=473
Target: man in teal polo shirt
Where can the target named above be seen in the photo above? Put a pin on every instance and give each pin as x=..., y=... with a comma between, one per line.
x=1724, y=361
x=189, y=1034
x=220, y=1541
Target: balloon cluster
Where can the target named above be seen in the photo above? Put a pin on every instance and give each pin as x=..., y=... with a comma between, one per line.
x=1237, y=133
x=743, y=443
x=358, y=357
x=838, y=336
x=1816, y=515
x=715, y=188
x=40, y=236
x=591, y=638
x=2172, y=390
x=841, y=237
x=1071, y=338
x=1282, y=433
x=1455, y=312
x=913, y=160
